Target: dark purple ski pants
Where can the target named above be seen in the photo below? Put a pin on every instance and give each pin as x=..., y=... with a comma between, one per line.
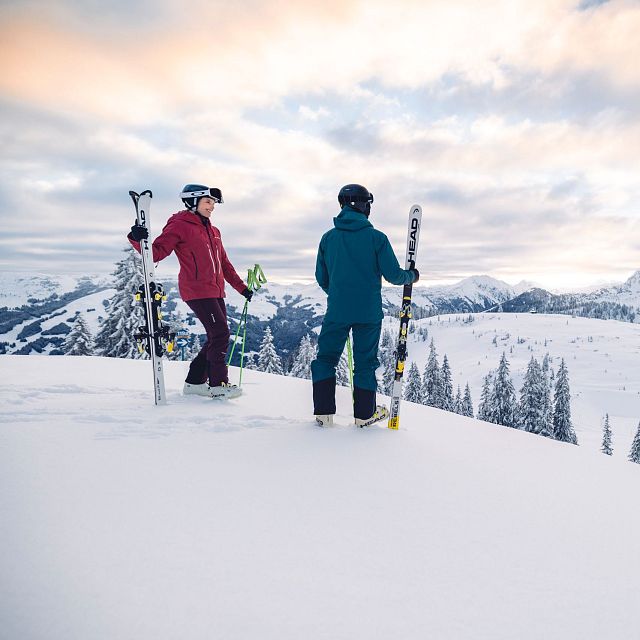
x=211, y=363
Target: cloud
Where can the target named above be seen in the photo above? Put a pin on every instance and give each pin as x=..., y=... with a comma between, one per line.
x=514, y=123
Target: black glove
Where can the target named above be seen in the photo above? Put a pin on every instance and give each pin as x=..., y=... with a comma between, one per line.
x=416, y=274
x=248, y=294
x=138, y=232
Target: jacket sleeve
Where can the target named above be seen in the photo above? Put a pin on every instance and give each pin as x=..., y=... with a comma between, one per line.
x=322, y=273
x=229, y=272
x=164, y=244
x=388, y=263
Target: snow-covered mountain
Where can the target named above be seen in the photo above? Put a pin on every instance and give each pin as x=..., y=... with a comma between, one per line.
x=19, y=288
x=470, y=295
x=626, y=293
x=620, y=302
x=290, y=310
x=243, y=520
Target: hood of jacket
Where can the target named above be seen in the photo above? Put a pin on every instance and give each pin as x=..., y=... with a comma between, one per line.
x=351, y=220
x=187, y=216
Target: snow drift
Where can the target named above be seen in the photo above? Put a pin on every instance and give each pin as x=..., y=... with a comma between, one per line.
x=243, y=520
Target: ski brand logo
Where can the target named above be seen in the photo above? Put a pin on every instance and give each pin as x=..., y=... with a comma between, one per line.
x=413, y=239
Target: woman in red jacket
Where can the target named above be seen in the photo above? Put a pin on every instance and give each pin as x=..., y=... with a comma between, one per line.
x=204, y=267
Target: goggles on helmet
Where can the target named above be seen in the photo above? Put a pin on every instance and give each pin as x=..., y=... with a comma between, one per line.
x=214, y=193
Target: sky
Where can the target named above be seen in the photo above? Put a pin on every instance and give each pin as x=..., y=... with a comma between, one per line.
x=514, y=124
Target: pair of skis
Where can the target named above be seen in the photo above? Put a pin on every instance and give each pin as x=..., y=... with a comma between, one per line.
x=154, y=337
x=413, y=236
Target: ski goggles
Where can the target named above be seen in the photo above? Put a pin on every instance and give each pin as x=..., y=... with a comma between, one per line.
x=214, y=193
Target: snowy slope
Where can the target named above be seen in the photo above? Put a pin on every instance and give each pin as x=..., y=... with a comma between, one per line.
x=602, y=357
x=204, y=520
x=91, y=307
x=17, y=287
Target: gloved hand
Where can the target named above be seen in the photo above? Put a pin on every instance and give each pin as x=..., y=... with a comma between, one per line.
x=138, y=232
x=416, y=274
x=248, y=294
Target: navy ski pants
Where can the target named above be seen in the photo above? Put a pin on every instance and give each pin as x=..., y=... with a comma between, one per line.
x=331, y=342
x=211, y=363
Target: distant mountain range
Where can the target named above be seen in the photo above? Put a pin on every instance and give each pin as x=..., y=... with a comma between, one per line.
x=617, y=302
x=36, y=309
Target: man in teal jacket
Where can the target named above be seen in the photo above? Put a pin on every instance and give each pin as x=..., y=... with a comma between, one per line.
x=352, y=258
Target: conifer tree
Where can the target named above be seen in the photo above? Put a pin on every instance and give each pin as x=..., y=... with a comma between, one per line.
x=503, y=396
x=431, y=379
x=485, y=411
x=268, y=360
x=343, y=378
x=548, y=403
x=457, y=402
x=304, y=357
x=562, y=426
x=386, y=357
x=634, y=454
x=607, y=447
x=386, y=341
x=413, y=388
x=251, y=361
x=531, y=409
x=124, y=315
x=446, y=386
x=79, y=341
x=467, y=403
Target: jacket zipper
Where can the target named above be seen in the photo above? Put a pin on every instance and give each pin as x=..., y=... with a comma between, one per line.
x=195, y=264
x=213, y=262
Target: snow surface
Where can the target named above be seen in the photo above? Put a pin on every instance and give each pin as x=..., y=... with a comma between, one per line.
x=204, y=519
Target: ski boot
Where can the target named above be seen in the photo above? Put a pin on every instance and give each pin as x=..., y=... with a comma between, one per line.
x=381, y=413
x=222, y=392
x=225, y=391
x=196, y=389
x=324, y=420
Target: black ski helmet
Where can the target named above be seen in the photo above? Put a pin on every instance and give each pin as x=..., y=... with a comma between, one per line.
x=191, y=194
x=356, y=196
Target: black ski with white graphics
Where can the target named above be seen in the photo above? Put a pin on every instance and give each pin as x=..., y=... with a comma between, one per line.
x=154, y=337
x=413, y=236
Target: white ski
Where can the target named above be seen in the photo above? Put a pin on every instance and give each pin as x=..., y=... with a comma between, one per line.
x=150, y=338
x=413, y=236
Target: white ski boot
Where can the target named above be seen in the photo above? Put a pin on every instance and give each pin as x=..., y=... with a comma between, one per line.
x=196, y=389
x=222, y=392
x=381, y=413
x=325, y=420
x=225, y=391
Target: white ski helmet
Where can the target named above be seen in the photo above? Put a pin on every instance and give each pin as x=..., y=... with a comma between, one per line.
x=191, y=194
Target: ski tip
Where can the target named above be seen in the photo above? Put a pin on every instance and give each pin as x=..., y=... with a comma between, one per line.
x=416, y=209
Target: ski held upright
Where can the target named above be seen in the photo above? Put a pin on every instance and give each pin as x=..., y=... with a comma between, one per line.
x=413, y=237
x=154, y=336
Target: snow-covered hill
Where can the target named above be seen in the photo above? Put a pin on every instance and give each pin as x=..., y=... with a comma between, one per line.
x=602, y=357
x=204, y=520
x=17, y=288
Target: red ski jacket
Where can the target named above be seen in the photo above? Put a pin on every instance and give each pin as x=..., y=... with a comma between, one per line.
x=204, y=265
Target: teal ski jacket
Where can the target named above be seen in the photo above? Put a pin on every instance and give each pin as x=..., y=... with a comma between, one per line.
x=352, y=259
